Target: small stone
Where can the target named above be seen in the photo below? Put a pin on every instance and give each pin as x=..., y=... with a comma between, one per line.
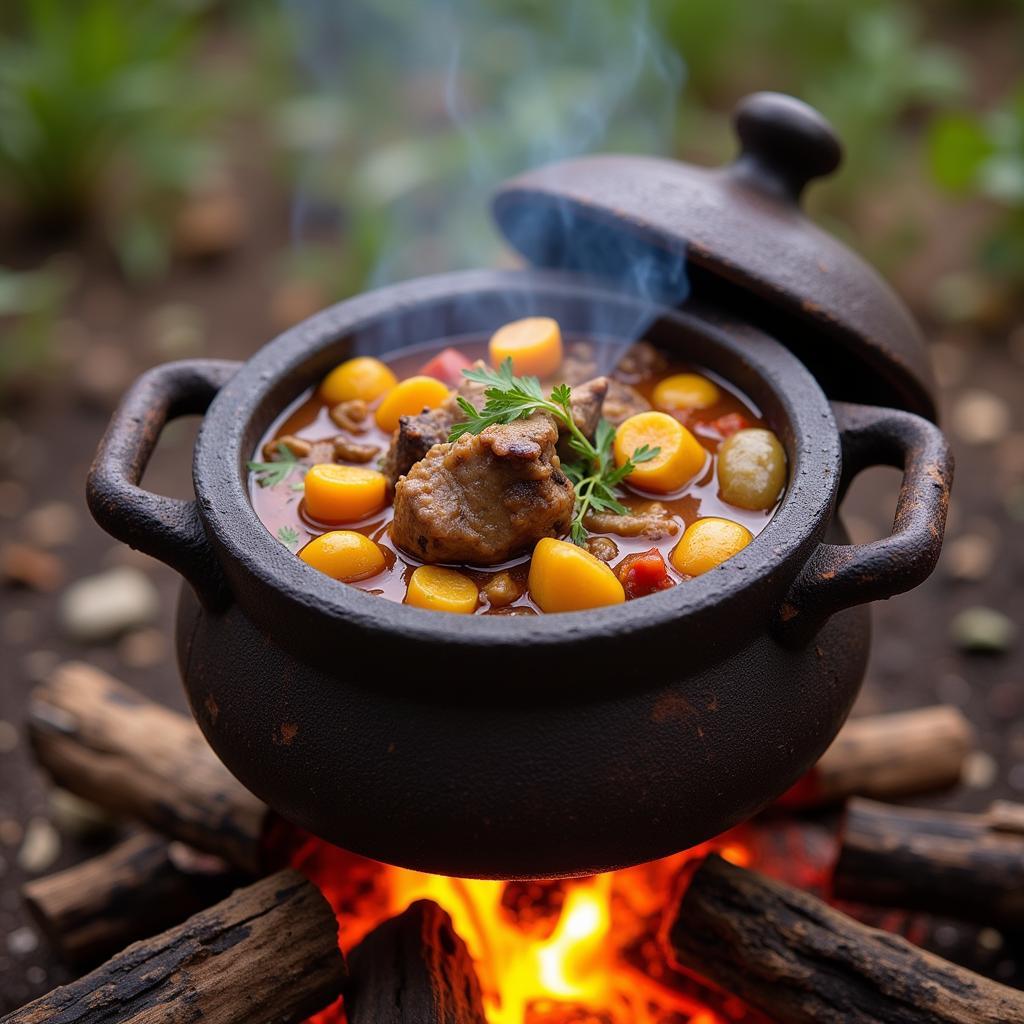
x=77, y=817
x=51, y=525
x=983, y=631
x=22, y=941
x=8, y=737
x=980, y=417
x=103, y=607
x=103, y=377
x=294, y=301
x=13, y=499
x=38, y=665
x=28, y=566
x=142, y=648
x=40, y=848
x=969, y=558
x=210, y=225
x=177, y=331
x=10, y=832
x=979, y=770
x=990, y=940
x=35, y=974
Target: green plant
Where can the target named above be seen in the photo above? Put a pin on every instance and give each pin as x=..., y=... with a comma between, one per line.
x=29, y=304
x=982, y=155
x=100, y=105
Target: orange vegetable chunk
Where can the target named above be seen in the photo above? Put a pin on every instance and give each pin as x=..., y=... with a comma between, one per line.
x=685, y=391
x=679, y=460
x=567, y=578
x=444, y=590
x=363, y=377
x=534, y=345
x=709, y=542
x=409, y=398
x=344, y=494
x=344, y=555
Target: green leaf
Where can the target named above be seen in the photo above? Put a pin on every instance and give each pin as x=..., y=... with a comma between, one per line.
x=288, y=536
x=270, y=474
x=957, y=147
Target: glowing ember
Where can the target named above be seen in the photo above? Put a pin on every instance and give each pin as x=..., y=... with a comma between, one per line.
x=581, y=951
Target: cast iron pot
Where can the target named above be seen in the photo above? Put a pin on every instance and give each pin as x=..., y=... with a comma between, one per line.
x=504, y=746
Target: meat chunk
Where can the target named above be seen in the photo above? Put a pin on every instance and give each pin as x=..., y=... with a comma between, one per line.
x=653, y=521
x=415, y=436
x=579, y=364
x=486, y=498
x=623, y=401
x=640, y=361
x=587, y=402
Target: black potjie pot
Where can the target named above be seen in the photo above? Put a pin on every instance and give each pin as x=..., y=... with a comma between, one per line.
x=507, y=746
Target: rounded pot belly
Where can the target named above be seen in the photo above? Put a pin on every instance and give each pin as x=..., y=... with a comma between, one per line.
x=470, y=783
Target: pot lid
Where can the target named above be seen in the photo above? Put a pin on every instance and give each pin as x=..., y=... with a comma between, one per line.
x=737, y=234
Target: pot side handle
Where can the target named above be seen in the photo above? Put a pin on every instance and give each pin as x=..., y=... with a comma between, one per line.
x=839, y=576
x=166, y=528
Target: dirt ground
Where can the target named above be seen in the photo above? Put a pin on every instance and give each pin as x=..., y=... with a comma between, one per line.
x=47, y=440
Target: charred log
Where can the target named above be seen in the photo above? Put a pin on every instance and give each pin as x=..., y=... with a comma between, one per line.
x=969, y=866
x=266, y=955
x=413, y=969
x=134, y=890
x=886, y=756
x=109, y=744
x=801, y=962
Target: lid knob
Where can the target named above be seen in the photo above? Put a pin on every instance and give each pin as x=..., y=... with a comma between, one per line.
x=784, y=144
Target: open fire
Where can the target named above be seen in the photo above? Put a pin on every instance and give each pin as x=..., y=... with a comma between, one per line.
x=585, y=951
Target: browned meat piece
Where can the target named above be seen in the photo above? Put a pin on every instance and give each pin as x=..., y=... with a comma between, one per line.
x=486, y=498
x=641, y=360
x=415, y=436
x=305, y=451
x=351, y=415
x=622, y=401
x=501, y=590
x=579, y=364
x=586, y=402
x=653, y=521
x=348, y=450
x=603, y=547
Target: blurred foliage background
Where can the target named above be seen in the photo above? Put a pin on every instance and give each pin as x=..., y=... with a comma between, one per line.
x=380, y=127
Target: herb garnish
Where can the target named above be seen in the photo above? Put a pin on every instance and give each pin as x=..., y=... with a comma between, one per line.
x=288, y=536
x=594, y=475
x=270, y=474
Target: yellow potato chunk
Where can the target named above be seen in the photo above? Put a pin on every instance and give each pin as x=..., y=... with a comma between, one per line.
x=344, y=555
x=409, y=398
x=707, y=543
x=680, y=459
x=534, y=345
x=442, y=590
x=344, y=494
x=567, y=578
x=751, y=469
x=363, y=377
x=685, y=391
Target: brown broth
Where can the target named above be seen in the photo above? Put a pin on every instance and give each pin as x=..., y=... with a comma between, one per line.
x=307, y=417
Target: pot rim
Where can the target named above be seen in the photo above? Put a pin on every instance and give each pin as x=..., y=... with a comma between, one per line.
x=250, y=554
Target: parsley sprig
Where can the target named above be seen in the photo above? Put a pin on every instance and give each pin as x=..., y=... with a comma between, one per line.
x=270, y=474
x=594, y=475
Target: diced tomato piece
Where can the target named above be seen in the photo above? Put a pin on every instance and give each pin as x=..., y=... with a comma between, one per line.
x=728, y=424
x=643, y=573
x=447, y=366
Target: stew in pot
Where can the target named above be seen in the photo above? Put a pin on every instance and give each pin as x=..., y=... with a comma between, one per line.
x=512, y=477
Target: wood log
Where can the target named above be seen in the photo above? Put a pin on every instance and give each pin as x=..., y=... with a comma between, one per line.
x=798, y=960
x=109, y=744
x=266, y=955
x=969, y=866
x=888, y=756
x=137, y=888
x=413, y=969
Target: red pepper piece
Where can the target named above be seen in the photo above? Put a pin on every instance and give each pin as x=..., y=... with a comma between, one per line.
x=727, y=425
x=643, y=573
x=447, y=366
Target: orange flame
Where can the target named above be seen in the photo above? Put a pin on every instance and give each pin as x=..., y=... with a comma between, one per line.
x=569, y=955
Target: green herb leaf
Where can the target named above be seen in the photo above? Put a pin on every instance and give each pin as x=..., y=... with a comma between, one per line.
x=270, y=474
x=288, y=536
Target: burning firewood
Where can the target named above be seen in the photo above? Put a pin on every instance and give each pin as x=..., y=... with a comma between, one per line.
x=801, y=962
x=887, y=756
x=107, y=743
x=413, y=969
x=969, y=865
x=266, y=955
x=134, y=890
